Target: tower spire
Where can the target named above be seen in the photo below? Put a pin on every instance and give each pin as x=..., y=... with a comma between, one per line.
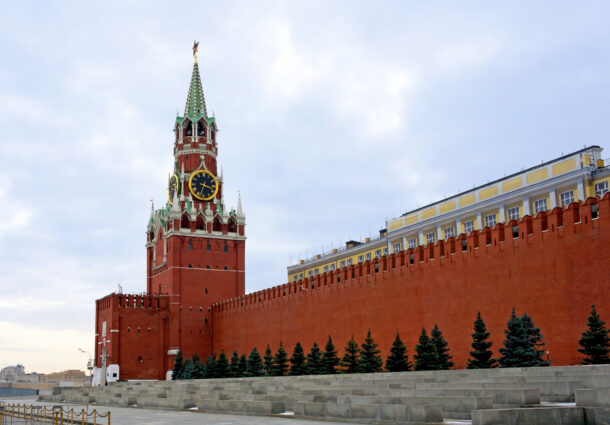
x=195, y=102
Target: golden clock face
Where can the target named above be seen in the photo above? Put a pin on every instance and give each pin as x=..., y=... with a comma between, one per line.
x=203, y=185
x=172, y=187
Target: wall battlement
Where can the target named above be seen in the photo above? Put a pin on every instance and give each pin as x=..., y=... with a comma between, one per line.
x=528, y=230
x=133, y=301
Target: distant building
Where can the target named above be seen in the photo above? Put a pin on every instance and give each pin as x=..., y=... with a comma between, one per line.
x=11, y=373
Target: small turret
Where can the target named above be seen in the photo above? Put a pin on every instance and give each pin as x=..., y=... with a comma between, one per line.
x=240, y=211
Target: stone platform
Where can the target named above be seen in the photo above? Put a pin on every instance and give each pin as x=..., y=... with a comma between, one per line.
x=572, y=395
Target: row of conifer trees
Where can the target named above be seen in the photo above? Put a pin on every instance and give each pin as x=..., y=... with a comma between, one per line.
x=523, y=347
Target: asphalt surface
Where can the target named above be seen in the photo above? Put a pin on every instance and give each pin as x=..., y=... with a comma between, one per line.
x=141, y=416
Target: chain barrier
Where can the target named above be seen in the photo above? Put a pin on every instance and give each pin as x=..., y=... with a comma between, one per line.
x=56, y=415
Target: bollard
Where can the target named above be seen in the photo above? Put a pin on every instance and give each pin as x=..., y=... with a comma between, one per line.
x=83, y=415
x=109, y=417
x=94, y=417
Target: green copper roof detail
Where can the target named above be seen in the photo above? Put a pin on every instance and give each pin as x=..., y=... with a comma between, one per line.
x=195, y=102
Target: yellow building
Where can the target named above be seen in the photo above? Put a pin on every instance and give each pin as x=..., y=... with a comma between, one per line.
x=570, y=178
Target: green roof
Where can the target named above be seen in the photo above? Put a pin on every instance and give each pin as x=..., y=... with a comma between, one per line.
x=195, y=102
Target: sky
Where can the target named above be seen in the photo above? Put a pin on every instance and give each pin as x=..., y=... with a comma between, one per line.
x=334, y=116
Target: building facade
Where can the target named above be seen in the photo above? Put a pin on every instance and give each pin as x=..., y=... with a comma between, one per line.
x=536, y=240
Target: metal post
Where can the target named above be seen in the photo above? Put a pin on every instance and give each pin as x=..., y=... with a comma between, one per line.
x=94, y=417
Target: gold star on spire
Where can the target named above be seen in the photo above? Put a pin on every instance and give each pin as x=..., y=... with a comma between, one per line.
x=195, y=47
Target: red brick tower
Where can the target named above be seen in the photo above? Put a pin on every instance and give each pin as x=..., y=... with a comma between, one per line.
x=195, y=246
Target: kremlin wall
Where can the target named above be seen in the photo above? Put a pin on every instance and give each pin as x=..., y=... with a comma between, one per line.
x=538, y=241
x=553, y=267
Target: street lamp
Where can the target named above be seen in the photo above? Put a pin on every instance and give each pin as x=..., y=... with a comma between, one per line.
x=89, y=362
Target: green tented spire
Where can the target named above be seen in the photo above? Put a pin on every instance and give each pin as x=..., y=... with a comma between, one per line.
x=195, y=102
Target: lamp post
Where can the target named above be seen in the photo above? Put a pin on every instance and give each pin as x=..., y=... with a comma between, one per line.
x=89, y=362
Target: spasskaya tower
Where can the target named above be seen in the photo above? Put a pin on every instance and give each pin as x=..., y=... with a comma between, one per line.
x=195, y=245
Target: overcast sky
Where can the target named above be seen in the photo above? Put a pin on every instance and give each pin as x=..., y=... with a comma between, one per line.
x=333, y=117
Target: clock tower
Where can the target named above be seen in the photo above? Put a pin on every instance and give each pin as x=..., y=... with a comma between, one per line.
x=195, y=245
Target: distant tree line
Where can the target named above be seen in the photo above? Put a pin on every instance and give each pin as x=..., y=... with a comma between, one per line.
x=523, y=346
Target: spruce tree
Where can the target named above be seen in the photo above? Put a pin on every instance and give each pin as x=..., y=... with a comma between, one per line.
x=223, y=369
x=254, y=365
x=198, y=367
x=330, y=361
x=397, y=360
x=178, y=366
x=444, y=358
x=234, y=366
x=243, y=365
x=351, y=359
x=523, y=343
x=370, y=360
x=313, y=364
x=297, y=361
x=426, y=357
x=481, y=353
x=210, y=367
x=595, y=342
x=280, y=362
x=268, y=361
x=187, y=372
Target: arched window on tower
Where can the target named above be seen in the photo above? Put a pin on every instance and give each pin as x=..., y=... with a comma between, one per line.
x=232, y=225
x=200, y=129
x=185, y=223
x=217, y=226
x=200, y=224
x=189, y=129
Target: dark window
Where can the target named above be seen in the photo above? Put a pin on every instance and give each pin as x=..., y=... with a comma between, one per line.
x=464, y=245
x=206, y=290
x=189, y=130
x=208, y=247
x=515, y=230
x=226, y=248
x=226, y=268
x=200, y=129
x=411, y=258
x=190, y=244
x=190, y=266
x=594, y=211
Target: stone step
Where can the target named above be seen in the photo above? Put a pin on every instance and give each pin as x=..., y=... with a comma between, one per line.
x=387, y=413
x=529, y=416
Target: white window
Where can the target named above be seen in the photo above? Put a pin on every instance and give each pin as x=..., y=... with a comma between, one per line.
x=413, y=243
x=396, y=248
x=513, y=213
x=309, y=273
x=468, y=226
x=103, y=329
x=540, y=205
x=430, y=237
x=325, y=269
x=301, y=276
x=601, y=188
x=377, y=253
x=316, y=272
x=567, y=198
x=342, y=264
x=449, y=232
x=385, y=251
x=490, y=220
x=296, y=277
x=349, y=262
x=360, y=258
x=332, y=267
x=368, y=256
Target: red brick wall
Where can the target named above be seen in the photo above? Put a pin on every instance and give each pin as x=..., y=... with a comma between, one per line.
x=557, y=267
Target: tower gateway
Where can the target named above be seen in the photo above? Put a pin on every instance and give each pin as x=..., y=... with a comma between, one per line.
x=195, y=255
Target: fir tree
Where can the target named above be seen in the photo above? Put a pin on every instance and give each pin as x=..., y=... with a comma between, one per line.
x=234, y=366
x=178, y=366
x=351, y=359
x=595, y=342
x=187, y=372
x=426, y=357
x=268, y=361
x=444, y=359
x=313, y=365
x=254, y=366
x=210, y=367
x=397, y=360
x=243, y=365
x=370, y=360
x=297, y=361
x=481, y=353
x=280, y=362
x=523, y=343
x=329, y=359
x=223, y=369
x=198, y=367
